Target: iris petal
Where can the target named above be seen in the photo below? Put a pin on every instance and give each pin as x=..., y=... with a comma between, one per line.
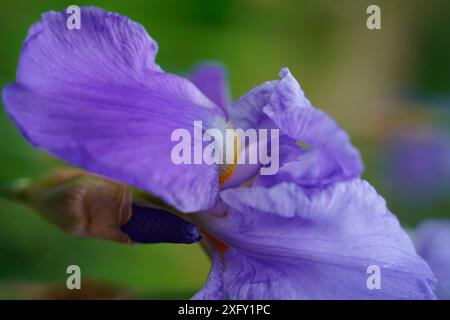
x=288, y=242
x=331, y=156
x=212, y=80
x=214, y=287
x=432, y=240
x=95, y=98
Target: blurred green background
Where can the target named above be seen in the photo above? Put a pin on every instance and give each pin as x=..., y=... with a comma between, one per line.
x=374, y=83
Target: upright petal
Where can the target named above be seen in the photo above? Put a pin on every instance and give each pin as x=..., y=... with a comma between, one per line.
x=315, y=244
x=212, y=80
x=432, y=240
x=95, y=98
x=331, y=155
x=247, y=111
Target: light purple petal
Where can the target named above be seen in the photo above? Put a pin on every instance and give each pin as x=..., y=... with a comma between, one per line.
x=95, y=98
x=213, y=288
x=432, y=241
x=212, y=80
x=311, y=168
x=247, y=111
x=287, y=242
x=331, y=156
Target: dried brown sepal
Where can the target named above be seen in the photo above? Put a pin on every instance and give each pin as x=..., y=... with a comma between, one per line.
x=80, y=203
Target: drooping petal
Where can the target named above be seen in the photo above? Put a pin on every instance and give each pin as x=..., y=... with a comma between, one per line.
x=95, y=98
x=331, y=157
x=151, y=225
x=212, y=80
x=213, y=288
x=295, y=243
x=432, y=240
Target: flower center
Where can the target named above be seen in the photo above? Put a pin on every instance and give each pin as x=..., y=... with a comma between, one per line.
x=233, y=145
x=220, y=246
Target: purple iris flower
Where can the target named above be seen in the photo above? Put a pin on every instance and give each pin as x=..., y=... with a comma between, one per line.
x=432, y=239
x=418, y=163
x=96, y=98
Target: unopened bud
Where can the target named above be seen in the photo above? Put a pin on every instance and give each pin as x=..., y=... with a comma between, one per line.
x=89, y=205
x=80, y=203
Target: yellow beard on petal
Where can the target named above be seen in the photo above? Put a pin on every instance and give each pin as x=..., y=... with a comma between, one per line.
x=226, y=170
